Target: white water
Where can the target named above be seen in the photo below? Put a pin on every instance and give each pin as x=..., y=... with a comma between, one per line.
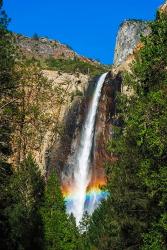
x=81, y=170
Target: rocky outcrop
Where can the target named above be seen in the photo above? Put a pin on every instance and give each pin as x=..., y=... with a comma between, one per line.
x=128, y=44
x=103, y=132
x=106, y=118
x=64, y=106
x=61, y=153
x=71, y=115
x=44, y=48
x=163, y=7
x=128, y=37
x=68, y=90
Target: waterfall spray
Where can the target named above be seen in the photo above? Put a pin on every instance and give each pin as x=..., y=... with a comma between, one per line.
x=82, y=161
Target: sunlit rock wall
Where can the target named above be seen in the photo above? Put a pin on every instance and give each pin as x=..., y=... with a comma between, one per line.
x=60, y=153
x=128, y=37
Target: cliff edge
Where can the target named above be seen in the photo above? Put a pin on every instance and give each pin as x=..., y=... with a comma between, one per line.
x=129, y=35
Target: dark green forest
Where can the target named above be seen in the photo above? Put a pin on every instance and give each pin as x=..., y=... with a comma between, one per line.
x=134, y=216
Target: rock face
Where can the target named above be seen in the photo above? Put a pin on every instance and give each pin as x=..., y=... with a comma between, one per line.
x=106, y=118
x=72, y=89
x=128, y=43
x=66, y=106
x=128, y=37
x=163, y=7
x=44, y=48
x=75, y=89
x=59, y=146
x=63, y=148
x=103, y=132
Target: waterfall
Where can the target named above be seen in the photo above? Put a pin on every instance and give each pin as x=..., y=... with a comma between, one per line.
x=81, y=170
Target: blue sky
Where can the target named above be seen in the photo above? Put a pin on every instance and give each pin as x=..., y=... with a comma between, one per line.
x=88, y=26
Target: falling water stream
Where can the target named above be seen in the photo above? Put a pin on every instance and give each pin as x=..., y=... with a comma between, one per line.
x=81, y=173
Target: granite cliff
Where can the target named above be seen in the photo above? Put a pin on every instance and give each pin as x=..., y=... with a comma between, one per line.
x=42, y=48
x=76, y=90
x=60, y=151
x=69, y=87
x=128, y=37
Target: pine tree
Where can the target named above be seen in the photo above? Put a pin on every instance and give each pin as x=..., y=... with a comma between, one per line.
x=7, y=92
x=7, y=85
x=59, y=231
x=5, y=174
x=26, y=190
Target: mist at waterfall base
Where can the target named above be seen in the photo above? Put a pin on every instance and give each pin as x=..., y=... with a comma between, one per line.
x=83, y=195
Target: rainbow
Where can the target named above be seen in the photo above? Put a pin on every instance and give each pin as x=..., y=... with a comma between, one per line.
x=96, y=192
x=95, y=195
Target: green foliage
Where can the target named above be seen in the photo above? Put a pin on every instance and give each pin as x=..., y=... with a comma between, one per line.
x=135, y=211
x=32, y=118
x=5, y=173
x=100, y=232
x=7, y=86
x=153, y=240
x=24, y=121
x=25, y=191
x=7, y=95
x=72, y=66
x=59, y=231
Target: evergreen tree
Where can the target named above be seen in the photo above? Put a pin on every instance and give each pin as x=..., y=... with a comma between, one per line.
x=5, y=174
x=26, y=190
x=7, y=85
x=84, y=231
x=59, y=231
x=7, y=93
